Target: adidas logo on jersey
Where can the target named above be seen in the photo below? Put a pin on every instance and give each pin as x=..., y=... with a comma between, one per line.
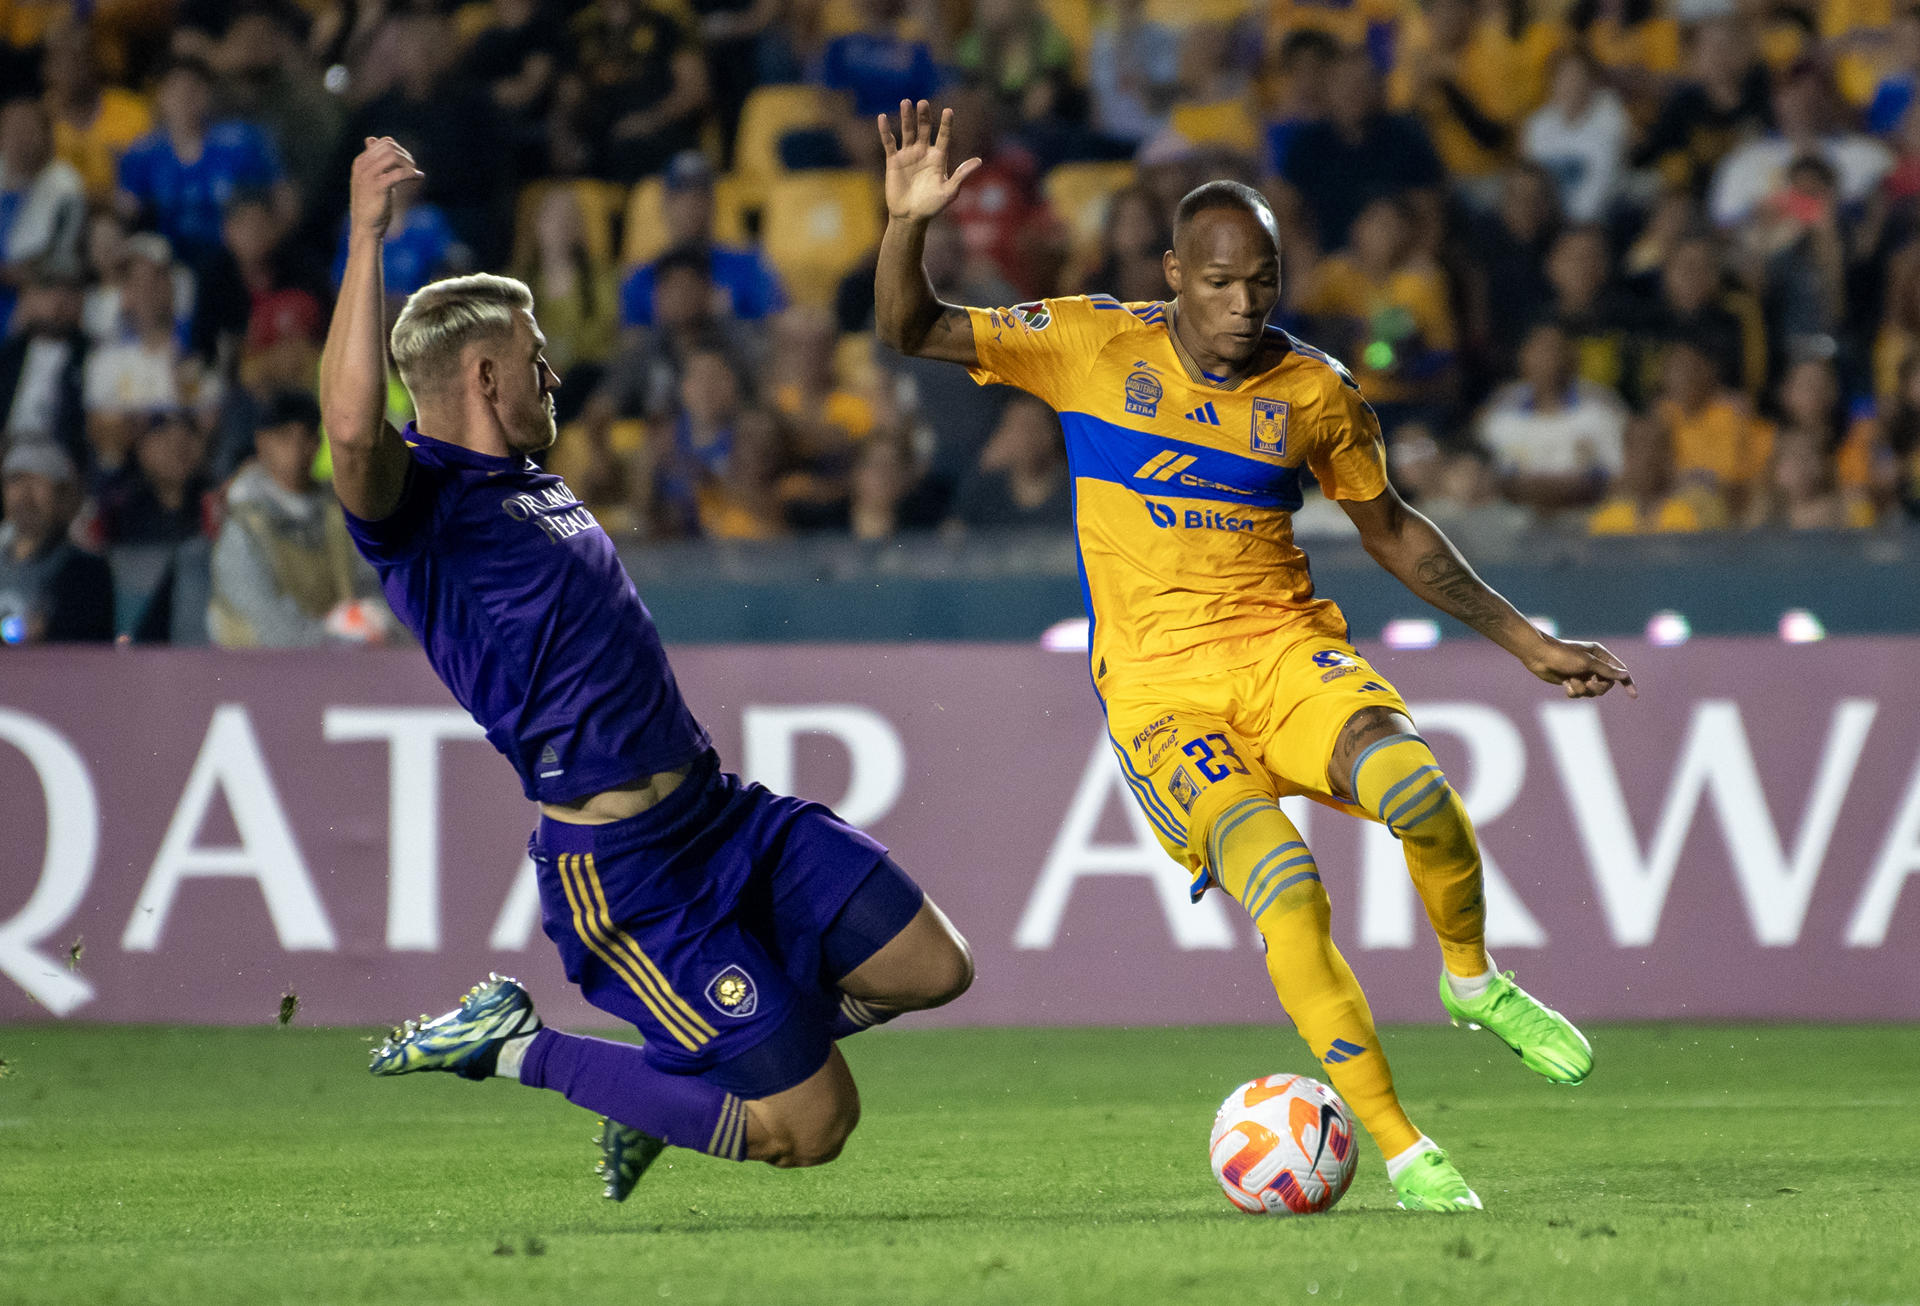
x=1204, y=415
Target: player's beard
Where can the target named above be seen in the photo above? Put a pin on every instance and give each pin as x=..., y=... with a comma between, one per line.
x=539, y=430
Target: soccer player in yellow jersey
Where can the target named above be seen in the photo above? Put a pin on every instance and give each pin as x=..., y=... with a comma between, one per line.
x=1228, y=684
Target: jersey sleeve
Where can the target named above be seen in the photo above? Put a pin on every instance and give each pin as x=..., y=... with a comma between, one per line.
x=1345, y=451
x=405, y=530
x=1046, y=347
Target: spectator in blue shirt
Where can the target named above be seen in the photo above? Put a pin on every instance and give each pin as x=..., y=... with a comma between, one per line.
x=876, y=65
x=1894, y=94
x=420, y=245
x=179, y=178
x=742, y=275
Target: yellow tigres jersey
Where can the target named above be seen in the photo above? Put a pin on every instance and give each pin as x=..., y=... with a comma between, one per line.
x=1184, y=492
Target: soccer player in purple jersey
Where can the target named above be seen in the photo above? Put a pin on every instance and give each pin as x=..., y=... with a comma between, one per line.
x=742, y=932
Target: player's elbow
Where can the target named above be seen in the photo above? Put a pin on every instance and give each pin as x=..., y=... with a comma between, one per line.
x=344, y=432
x=893, y=333
x=349, y=425
x=900, y=326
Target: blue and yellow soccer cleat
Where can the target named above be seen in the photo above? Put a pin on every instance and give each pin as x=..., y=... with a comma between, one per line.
x=625, y=1154
x=1540, y=1036
x=466, y=1040
x=1432, y=1184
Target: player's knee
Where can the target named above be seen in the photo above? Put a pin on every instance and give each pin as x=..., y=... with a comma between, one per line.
x=949, y=974
x=1398, y=781
x=1305, y=892
x=942, y=970
x=817, y=1137
x=1440, y=815
x=1362, y=739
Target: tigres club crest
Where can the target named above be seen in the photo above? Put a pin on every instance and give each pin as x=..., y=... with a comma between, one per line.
x=732, y=993
x=1183, y=790
x=1270, y=426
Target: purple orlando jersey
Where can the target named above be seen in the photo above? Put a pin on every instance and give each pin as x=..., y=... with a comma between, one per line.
x=523, y=608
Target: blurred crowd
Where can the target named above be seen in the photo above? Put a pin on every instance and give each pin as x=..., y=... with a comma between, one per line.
x=1607, y=266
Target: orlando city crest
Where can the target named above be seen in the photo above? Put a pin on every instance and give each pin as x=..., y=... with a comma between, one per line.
x=1270, y=426
x=732, y=993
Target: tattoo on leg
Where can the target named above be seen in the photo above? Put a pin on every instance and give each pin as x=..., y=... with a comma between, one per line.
x=1363, y=728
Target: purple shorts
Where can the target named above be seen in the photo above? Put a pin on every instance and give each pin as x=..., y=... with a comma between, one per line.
x=719, y=922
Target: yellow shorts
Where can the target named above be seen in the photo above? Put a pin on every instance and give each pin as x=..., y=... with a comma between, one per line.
x=1192, y=748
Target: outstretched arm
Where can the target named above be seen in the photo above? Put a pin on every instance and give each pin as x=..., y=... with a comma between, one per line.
x=369, y=458
x=1425, y=561
x=908, y=315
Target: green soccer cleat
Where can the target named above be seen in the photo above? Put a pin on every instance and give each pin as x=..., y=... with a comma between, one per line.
x=625, y=1154
x=1540, y=1036
x=466, y=1040
x=1432, y=1184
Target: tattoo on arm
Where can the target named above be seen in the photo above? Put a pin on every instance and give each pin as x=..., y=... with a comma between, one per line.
x=951, y=326
x=947, y=335
x=1449, y=584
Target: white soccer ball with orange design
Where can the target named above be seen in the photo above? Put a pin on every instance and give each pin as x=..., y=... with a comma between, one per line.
x=1283, y=1145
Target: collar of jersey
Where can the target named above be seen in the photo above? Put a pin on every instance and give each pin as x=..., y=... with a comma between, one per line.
x=459, y=453
x=1205, y=380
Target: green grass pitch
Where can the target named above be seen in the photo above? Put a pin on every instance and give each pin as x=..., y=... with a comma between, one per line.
x=1698, y=1165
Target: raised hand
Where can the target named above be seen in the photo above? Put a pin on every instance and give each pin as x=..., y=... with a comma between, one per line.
x=381, y=166
x=1585, y=669
x=918, y=186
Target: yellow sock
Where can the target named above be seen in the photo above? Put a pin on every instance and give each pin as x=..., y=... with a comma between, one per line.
x=1400, y=783
x=1258, y=856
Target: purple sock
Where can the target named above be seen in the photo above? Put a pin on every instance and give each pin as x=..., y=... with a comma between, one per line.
x=615, y=1080
x=855, y=1015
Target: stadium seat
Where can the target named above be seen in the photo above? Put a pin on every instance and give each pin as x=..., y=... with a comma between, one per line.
x=1078, y=194
x=818, y=226
x=1186, y=13
x=840, y=18
x=1224, y=122
x=770, y=113
x=643, y=235
x=854, y=364
x=469, y=20
x=599, y=201
x=1074, y=18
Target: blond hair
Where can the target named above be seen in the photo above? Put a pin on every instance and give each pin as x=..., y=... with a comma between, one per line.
x=442, y=318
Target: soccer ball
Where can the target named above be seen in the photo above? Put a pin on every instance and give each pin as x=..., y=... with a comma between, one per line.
x=1283, y=1145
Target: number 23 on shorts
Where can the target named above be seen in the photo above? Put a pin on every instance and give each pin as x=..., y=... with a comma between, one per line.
x=1214, y=757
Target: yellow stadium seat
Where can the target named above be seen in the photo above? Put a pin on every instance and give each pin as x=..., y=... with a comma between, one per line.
x=1074, y=18
x=644, y=229
x=643, y=235
x=469, y=20
x=769, y=113
x=817, y=226
x=833, y=18
x=1078, y=193
x=840, y=18
x=854, y=365
x=1187, y=13
x=599, y=200
x=731, y=204
x=1224, y=122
